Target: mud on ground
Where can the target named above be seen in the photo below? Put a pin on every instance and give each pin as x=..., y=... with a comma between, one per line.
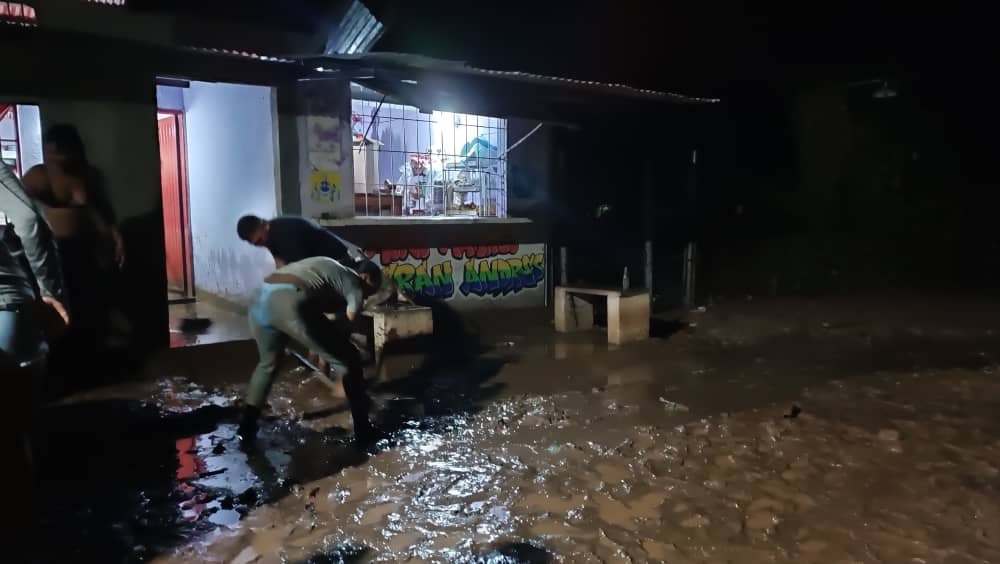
x=793, y=431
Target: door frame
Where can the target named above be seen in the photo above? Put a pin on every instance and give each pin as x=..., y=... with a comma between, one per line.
x=187, y=243
x=12, y=108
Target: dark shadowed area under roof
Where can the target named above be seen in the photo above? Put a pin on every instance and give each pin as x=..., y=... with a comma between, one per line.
x=455, y=86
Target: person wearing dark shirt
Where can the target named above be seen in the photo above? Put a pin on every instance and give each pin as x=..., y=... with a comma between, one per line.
x=291, y=239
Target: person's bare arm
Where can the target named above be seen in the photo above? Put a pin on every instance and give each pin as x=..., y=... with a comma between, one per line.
x=282, y=278
x=355, y=299
x=35, y=181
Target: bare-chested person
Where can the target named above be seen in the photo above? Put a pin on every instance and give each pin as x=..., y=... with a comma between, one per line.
x=70, y=193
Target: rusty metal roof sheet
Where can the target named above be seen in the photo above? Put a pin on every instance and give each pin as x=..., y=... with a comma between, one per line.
x=418, y=62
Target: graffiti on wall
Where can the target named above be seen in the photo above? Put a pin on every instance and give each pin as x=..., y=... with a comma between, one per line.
x=480, y=271
x=325, y=185
x=324, y=125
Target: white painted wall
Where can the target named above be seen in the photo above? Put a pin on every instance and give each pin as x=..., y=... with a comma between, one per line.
x=232, y=170
x=121, y=142
x=29, y=136
x=169, y=97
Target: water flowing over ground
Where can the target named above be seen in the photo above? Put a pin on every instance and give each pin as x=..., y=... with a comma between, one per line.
x=782, y=432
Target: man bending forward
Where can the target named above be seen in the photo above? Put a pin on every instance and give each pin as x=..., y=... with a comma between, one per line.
x=290, y=305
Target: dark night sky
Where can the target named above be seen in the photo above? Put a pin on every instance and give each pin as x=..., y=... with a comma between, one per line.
x=694, y=46
x=751, y=54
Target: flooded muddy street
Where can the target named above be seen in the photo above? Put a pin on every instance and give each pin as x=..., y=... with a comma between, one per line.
x=782, y=432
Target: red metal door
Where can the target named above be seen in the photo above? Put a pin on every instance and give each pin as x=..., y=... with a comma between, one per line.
x=174, y=204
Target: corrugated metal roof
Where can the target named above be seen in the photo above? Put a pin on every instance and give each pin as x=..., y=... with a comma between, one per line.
x=419, y=62
x=592, y=83
x=355, y=33
x=240, y=54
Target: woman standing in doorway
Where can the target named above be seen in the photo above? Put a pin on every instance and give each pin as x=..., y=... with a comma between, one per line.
x=71, y=194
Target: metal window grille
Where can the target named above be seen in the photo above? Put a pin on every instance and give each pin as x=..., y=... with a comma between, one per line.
x=10, y=150
x=409, y=163
x=10, y=147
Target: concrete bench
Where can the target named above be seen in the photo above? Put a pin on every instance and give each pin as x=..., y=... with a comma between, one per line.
x=390, y=324
x=628, y=312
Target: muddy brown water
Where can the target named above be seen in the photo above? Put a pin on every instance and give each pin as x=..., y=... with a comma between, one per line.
x=747, y=439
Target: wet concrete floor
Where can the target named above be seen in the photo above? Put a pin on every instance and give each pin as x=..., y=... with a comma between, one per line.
x=790, y=431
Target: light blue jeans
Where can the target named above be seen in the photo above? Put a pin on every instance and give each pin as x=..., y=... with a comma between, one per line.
x=20, y=337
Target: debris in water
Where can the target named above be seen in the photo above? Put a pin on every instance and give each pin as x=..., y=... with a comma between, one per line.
x=695, y=521
x=673, y=406
x=793, y=412
x=888, y=435
x=246, y=556
x=194, y=325
x=248, y=497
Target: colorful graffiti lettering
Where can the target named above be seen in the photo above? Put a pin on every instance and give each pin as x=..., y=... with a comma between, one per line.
x=489, y=271
x=503, y=276
x=480, y=251
x=436, y=282
x=390, y=256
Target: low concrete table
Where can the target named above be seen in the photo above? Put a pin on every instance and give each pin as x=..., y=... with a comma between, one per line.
x=390, y=324
x=628, y=312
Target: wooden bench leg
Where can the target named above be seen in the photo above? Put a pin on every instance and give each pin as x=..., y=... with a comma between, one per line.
x=572, y=313
x=628, y=318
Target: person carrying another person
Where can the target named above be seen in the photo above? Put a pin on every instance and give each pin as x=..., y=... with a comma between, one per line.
x=25, y=315
x=291, y=305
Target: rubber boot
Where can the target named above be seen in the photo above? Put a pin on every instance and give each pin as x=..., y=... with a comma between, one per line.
x=248, y=423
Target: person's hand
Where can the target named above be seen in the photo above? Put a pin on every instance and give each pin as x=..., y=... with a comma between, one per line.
x=57, y=318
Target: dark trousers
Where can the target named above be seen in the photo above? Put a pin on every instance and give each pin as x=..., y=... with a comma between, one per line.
x=281, y=313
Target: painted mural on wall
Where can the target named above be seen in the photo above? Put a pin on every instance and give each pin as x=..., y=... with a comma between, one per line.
x=325, y=129
x=325, y=186
x=327, y=159
x=469, y=275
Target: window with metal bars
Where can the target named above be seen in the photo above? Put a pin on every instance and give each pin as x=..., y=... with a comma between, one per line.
x=409, y=163
x=20, y=139
x=10, y=147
